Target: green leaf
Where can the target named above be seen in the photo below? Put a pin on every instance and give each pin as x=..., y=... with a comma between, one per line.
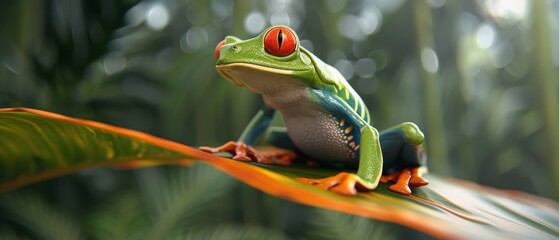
x=38, y=145
x=230, y=232
x=35, y=214
x=121, y=218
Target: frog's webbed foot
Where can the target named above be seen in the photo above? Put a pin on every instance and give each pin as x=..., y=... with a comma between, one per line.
x=343, y=183
x=244, y=152
x=404, y=179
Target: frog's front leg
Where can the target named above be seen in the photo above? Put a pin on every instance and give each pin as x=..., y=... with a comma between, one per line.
x=242, y=149
x=403, y=157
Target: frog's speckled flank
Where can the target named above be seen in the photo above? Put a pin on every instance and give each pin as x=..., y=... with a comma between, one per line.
x=325, y=118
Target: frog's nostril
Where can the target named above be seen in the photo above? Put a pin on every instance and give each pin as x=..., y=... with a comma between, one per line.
x=219, y=45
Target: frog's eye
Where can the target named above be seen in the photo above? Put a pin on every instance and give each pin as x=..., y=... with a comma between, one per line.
x=219, y=45
x=280, y=41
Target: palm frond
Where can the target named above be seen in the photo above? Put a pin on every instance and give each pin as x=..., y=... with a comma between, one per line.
x=122, y=218
x=35, y=214
x=185, y=194
x=325, y=224
x=231, y=232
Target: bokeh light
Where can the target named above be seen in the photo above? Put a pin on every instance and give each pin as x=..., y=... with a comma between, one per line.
x=485, y=35
x=255, y=22
x=429, y=60
x=508, y=10
x=157, y=16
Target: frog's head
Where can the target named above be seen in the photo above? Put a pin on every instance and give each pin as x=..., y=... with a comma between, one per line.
x=268, y=61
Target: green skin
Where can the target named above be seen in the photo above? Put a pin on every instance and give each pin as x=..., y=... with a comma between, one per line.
x=325, y=118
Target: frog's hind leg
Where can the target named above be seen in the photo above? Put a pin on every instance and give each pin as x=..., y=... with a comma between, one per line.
x=402, y=150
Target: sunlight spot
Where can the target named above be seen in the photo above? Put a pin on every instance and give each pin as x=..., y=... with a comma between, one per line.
x=502, y=55
x=277, y=5
x=194, y=38
x=345, y=67
x=371, y=19
x=157, y=16
x=512, y=10
x=114, y=62
x=350, y=27
x=389, y=5
x=429, y=60
x=221, y=9
x=485, y=35
x=334, y=56
x=365, y=67
x=254, y=22
x=280, y=19
x=137, y=14
x=436, y=3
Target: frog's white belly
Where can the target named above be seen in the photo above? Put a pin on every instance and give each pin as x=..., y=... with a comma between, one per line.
x=317, y=134
x=314, y=131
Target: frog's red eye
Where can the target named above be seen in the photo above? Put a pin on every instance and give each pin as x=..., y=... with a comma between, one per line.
x=280, y=41
x=219, y=45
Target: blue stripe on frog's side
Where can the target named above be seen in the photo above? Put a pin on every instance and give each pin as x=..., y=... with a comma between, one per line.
x=353, y=101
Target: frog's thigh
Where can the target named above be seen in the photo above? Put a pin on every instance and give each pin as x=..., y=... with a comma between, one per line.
x=401, y=147
x=277, y=136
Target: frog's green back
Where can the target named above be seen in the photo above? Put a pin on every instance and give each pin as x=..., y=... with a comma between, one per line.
x=336, y=83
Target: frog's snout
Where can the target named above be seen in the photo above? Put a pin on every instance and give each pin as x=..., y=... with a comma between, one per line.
x=219, y=45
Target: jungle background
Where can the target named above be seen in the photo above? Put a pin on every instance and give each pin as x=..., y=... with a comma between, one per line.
x=479, y=77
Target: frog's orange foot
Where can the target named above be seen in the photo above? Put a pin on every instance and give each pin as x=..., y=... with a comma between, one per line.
x=240, y=151
x=279, y=157
x=344, y=183
x=244, y=152
x=404, y=179
x=416, y=179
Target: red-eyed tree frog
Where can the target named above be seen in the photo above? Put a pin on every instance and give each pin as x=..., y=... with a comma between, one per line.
x=325, y=119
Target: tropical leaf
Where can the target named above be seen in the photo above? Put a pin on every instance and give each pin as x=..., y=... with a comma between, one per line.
x=228, y=232
x=176, y=203
x=35, y=214
x=335, y=225
x=121, y=218
x=37, y=145
x=184, y=196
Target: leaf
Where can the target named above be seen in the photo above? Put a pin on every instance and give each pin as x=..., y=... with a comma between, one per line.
x=35, y=214
x=231, y=232
x=122, y=218
x=177, y=201
x=334, y=225
x=185, y=195
x=37, y=145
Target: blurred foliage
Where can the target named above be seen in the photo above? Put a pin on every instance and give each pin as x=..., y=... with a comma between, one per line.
x=170, y=203
x=482, y=84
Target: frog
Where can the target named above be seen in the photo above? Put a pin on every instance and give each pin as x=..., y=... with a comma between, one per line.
x=325, y=120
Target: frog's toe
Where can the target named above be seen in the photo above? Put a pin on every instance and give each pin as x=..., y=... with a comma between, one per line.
x=240, y=151
x=347, y=184
x=227, y=147
x=403, y=189
x=408, y=177
x=243, y=152
x=401, y=185
x=416, y=179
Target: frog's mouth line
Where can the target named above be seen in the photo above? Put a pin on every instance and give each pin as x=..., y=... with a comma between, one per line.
x=226, y=70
